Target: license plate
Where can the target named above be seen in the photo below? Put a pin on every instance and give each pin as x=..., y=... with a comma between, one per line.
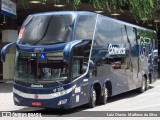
x=36, y=104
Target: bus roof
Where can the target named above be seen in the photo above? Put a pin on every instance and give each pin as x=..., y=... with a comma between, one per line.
x=129, y=24
x=92, y=13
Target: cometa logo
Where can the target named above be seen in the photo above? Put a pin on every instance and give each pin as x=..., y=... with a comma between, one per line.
x=116, y=50
x=36, y=85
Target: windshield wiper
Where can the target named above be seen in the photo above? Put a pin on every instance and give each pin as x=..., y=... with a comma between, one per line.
x=45, y=32
x=48, y=81
x=59, y=82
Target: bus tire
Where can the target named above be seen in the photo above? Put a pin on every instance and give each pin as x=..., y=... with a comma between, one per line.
x=103, y=99
x=93, y=98
x=150, y=77
x=143, y=85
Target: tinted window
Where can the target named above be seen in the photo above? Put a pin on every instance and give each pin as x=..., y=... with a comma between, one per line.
x=110, y=48
x=47, y=29
x=81, y=58
x=44, y=67
x=85, y=27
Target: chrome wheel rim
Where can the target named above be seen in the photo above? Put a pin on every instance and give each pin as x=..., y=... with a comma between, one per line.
x=147, y=84
x=105, y=93
x=94, y=96
x=143, y=84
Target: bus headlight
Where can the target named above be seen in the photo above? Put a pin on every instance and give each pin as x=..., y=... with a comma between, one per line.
x=64, y=92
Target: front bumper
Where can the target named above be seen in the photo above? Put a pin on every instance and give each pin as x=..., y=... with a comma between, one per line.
x=42, y=97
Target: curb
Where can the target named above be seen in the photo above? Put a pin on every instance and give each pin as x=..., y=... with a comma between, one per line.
x=6, y=81
x=2, y=81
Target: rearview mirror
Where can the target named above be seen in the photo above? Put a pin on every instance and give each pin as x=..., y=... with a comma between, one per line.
x=4, y=49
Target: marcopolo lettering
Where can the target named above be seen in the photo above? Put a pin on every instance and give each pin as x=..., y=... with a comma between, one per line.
x=116, y=50
x=38, y=50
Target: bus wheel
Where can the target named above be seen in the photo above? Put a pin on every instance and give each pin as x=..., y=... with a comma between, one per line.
x=143, y=85
x=103, y=98
x=92, y=102
x=147, y=84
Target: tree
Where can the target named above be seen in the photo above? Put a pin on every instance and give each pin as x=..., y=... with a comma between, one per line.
x=141, y=9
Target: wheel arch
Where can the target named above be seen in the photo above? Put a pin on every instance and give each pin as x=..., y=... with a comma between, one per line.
x=98, y=88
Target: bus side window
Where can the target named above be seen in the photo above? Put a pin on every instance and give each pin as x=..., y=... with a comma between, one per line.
x=76, y=68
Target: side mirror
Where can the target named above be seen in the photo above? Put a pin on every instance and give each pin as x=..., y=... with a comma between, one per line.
x=4, y=49
x=68, y=49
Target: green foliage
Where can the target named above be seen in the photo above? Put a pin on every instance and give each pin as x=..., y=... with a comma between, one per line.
x=99, y=4
x=144, y=9
x=75, y=3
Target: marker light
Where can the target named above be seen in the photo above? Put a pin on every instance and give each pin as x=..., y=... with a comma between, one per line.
x=35, y=2
x=59, y=5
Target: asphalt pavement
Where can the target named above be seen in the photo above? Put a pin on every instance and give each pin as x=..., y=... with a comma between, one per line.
x=130, y=101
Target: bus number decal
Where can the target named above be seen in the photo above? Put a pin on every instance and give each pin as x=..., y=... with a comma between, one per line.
x=77, y=98
x=58, y=89
x=78, y=89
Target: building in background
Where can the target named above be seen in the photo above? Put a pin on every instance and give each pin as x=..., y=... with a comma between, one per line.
x=13, y=13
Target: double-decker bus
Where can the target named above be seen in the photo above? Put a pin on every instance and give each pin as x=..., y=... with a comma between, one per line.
x=68, y=59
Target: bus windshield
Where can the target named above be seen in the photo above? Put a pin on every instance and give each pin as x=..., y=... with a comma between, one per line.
x=43, y=30
x=40, y=67
x=46, y=29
